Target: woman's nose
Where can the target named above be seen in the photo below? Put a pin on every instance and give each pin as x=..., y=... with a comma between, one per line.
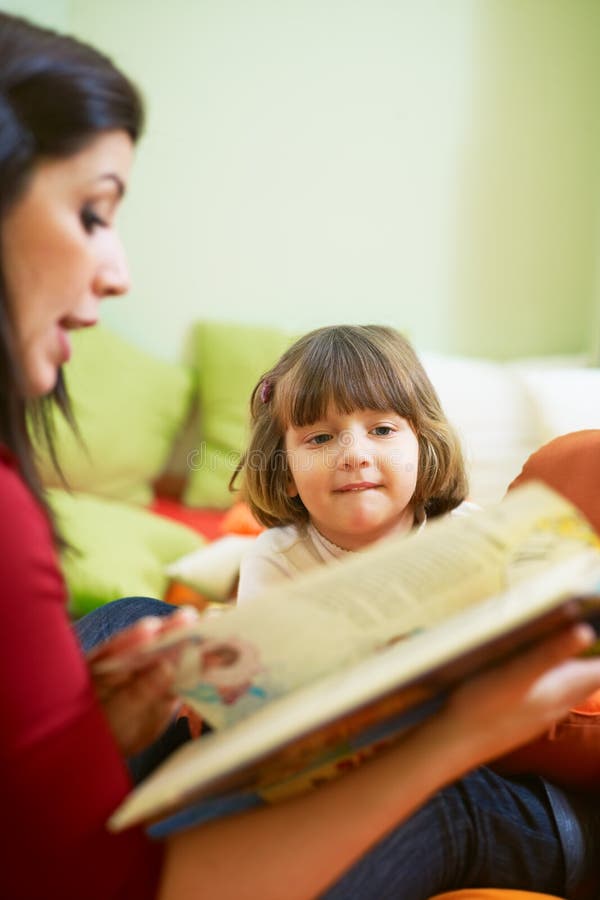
x=112, y=274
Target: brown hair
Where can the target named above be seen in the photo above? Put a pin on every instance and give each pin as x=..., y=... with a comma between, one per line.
x=56, y=95
x=351, y=367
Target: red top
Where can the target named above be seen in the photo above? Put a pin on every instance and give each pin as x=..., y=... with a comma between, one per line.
x=60, y=769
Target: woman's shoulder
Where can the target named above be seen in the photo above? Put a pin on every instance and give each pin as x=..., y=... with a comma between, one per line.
x=29, y=568
x=16, y=497
x=24, y=529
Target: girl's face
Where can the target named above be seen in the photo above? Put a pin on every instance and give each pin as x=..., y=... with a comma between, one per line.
x=355, y=474
x=61, y=254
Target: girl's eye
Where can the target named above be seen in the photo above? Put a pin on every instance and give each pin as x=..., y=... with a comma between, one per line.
x=383, y=430
x=91, y=220
x=320, y=439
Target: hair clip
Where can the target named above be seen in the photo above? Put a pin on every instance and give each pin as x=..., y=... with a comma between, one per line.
x=266, y=389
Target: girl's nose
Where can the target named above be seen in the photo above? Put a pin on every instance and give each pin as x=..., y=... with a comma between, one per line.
x=353, y=453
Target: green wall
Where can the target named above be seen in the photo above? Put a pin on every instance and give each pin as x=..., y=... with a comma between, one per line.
x=526, y=237
x=51, y=13
x=429, y=164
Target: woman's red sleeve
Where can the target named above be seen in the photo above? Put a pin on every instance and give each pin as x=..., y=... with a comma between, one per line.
x=61, y=771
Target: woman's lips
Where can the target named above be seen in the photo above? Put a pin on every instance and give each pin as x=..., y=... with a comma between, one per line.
x=70, y=323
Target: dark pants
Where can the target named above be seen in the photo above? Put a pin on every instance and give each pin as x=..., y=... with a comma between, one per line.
x=483, y=831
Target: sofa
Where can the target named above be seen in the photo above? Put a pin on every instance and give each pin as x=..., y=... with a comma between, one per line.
x=143, y=499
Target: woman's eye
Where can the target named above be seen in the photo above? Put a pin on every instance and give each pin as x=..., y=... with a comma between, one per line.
x=320, y=439
x=383, y=430
x=91, y=220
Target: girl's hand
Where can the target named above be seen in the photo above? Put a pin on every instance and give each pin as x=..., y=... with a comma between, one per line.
x=139, y=703
x=520, y=699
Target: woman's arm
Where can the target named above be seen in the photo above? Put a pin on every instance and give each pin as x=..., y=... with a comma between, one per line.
x=139, y=703
x=301, y=846
x=61, y=774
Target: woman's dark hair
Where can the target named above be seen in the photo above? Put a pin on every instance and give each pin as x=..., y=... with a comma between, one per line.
x=350, y=367
x=56, y=95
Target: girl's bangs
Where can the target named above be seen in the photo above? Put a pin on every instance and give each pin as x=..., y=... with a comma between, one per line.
x=346, y=378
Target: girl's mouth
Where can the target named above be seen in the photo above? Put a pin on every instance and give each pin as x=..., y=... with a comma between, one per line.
x=356, y=486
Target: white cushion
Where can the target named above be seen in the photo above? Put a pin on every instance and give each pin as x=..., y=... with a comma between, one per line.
x=565, y=399
x=213, y=569
x=494, y=416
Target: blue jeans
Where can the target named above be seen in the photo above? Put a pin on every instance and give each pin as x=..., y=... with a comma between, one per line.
x=483, y=831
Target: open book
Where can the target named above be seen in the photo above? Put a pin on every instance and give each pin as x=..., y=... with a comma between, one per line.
x=303, y=683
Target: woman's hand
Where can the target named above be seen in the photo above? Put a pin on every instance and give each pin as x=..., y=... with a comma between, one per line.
x=488, y=715
x=518, y=700
x=139, y=703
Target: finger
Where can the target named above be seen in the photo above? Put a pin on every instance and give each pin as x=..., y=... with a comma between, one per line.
x=571, y=682
x=136, y=635
x=549, y=653
x=135, y=724
x=185, y=615
x=507, y=683
x=572, y=640
x=142, y=632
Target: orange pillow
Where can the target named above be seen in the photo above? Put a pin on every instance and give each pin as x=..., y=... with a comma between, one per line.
x=239, y=520
x=571, y=465
x=491, y=894
x=180, y=594
x=569, y=754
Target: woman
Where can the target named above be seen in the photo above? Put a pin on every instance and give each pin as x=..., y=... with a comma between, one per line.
x=68, y=121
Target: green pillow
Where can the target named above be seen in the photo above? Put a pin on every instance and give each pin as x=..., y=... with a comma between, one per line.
x=129, y=407
x=230, y=359
x=118, y=550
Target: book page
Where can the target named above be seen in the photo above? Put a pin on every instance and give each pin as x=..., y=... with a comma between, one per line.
x=338, y=614
x=320, y=731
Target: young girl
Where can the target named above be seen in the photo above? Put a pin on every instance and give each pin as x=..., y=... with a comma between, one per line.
x=349, y=444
